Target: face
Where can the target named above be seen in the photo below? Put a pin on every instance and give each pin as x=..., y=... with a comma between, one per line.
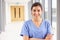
x=36, y=11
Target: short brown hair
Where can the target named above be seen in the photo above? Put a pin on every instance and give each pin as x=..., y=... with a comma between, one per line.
x=36, y=4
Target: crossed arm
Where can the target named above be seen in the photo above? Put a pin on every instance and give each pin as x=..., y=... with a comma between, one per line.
x=48, y=37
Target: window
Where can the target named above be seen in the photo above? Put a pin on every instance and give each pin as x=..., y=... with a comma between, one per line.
x=50, y=13
x=54, y=18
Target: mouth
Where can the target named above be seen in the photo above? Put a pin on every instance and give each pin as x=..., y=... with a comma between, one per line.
x=36, y=15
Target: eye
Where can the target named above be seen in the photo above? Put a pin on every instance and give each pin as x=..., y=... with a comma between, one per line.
x=38, y=10
x=34, y=10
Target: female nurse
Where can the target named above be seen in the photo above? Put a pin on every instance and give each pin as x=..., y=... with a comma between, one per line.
x=36, y=28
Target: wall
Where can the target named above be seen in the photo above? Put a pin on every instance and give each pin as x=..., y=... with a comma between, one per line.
x=58, y=19
x=13, y=29
x=2, y=15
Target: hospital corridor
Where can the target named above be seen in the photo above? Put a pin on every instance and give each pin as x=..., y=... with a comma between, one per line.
x=13, y=14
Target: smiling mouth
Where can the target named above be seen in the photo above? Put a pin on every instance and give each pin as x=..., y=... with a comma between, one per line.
x=36, y=14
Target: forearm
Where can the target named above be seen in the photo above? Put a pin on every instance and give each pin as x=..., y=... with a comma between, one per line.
x=36, y=39
x=48, y=37
x=39, y=39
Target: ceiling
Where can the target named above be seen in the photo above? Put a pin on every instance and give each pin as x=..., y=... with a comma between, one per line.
x=16, y=0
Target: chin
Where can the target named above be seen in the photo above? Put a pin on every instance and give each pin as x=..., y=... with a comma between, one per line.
x=37, y=16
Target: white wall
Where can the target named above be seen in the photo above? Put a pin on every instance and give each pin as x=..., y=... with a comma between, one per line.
x=13, y=29
x=17, y=1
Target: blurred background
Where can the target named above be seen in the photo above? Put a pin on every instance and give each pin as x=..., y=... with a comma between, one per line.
x=13, y=13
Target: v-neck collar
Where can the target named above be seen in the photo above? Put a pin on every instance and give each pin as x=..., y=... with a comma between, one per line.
x=39, y=25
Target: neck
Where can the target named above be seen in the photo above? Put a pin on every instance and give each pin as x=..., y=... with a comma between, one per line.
x=37, y=19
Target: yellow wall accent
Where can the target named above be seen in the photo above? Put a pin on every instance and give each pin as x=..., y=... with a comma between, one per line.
x=17, y=13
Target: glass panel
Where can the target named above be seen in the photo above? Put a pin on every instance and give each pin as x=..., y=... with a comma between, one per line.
x=54, y=15
x=46, y=9
x=54, y=18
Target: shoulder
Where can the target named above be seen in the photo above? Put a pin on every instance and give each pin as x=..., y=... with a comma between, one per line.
x=47, y=21
x=26, y=23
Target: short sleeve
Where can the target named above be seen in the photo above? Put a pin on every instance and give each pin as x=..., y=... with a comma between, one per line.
x=49, y=28
x=24, y=30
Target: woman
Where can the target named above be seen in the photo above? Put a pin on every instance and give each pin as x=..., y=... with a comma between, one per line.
x=36, y=28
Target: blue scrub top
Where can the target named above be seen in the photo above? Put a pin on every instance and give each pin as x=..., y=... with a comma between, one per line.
x=29, y=29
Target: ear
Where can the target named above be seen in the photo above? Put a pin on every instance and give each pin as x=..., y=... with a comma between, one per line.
x=42, y=11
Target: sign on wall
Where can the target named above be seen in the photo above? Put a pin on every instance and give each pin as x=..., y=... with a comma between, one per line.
x=17, y=13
